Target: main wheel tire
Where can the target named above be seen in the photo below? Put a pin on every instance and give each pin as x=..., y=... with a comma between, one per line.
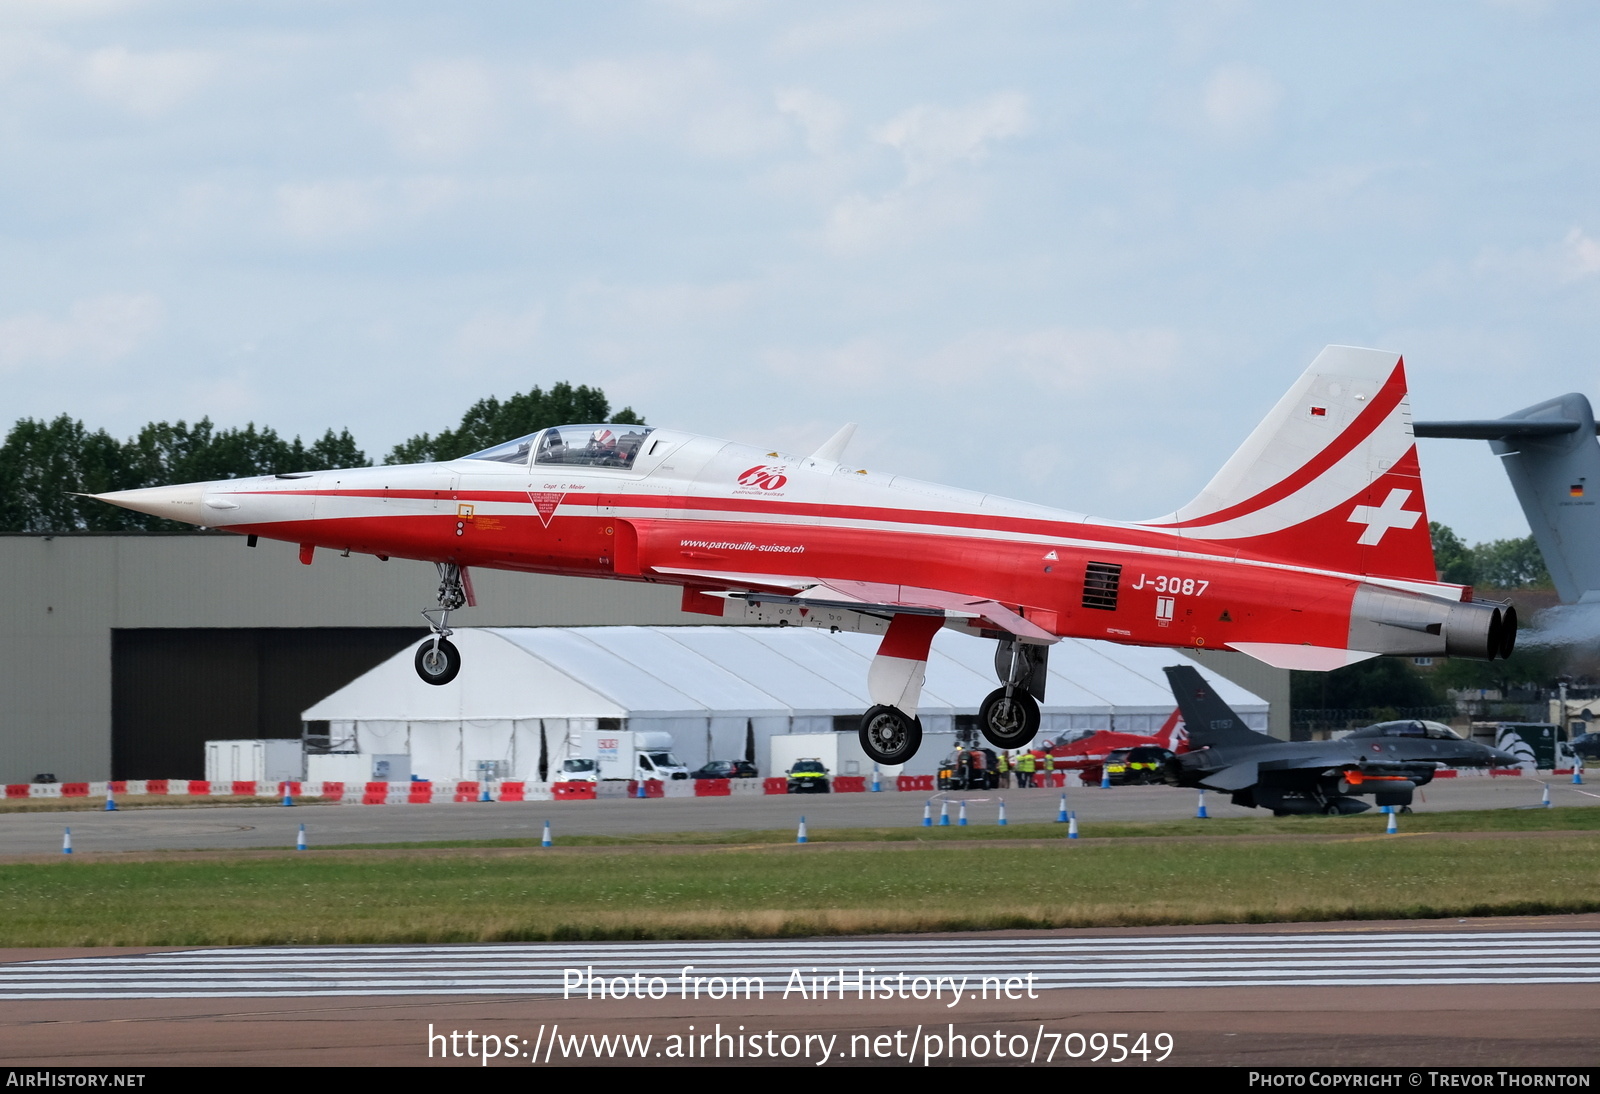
x=438, y=664
x=1008, y=723
x=889, y=735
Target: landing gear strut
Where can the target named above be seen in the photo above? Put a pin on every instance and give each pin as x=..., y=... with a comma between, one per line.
x=1009, y=716
x=889, y=735
x=438, y=660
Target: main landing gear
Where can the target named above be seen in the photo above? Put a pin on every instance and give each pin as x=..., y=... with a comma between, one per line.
x=889, y=735
x=438, y=660
x=1009, y=716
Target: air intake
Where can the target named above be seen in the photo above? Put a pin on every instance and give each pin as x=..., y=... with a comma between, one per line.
x=1100, y=581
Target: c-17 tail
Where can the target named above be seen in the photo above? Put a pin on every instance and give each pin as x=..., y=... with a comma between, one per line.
x=1550, y=453
x=1210, y=722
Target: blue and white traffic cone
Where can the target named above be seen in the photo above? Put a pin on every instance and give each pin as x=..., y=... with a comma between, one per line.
x=944, y=814
x=111, y=800
x=1061, y=817
x=927, y=813
x=877, y=786
x=1393, y=828
x=800, y=836
x=641, y=791
x=483, y=791
x=1577, y=773
x=1105, y=779
x=300, y=840
x=1072, y=825
x=961, y=822
x=66, y=842
x=1002, y=821
x=1200, y=810
x=546, y=841
x=1545, y=800
x=288, y=794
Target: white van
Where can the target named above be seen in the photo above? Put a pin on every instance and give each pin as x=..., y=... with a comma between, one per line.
x=629, y=754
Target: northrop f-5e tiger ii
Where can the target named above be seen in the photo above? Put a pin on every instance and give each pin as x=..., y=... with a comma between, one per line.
x=1309, y=549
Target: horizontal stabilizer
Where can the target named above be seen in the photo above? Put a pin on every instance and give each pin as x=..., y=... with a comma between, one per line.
x=1236, y=777
x=833, y=448
x=1289, y=655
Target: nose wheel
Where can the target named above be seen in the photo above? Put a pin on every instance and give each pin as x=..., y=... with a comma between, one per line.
x=889, y=735
x=438, y=661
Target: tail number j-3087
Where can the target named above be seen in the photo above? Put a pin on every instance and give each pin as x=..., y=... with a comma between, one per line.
x=1187, y=586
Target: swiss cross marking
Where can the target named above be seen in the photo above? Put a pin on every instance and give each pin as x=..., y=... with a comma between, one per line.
x=1379, y=519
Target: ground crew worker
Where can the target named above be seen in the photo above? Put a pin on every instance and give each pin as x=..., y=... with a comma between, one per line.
x=1002, y=764
x=1049, y=767
x=1025, y=765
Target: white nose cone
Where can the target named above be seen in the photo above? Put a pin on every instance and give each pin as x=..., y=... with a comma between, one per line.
x=183, y=503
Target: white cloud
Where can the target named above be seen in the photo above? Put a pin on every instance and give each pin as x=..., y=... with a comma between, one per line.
x=667, y=305
x=97, y=330
x=492, y=333
x=820, y=118
x=146, y=84
x=1239, y=102
x=685, y=99
x=446, y=110
x=932, y=138
x=319, y=212
x=1582, y=254
x=858, y=26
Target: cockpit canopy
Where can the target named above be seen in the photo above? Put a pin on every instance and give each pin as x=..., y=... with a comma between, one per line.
x=610, y=445
x=1410, y=727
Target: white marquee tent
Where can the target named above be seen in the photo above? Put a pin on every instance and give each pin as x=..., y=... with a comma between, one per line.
x=708, y=687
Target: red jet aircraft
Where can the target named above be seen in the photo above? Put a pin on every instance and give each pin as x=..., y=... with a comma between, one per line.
x=1309, y=549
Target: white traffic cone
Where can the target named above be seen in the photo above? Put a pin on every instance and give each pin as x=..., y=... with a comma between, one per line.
x=111, y=800
x=1072, y=825
x=800, y=836
x=944, y=814
x=300, y=840
x=1545, y=800
x=1002, y=821
x=1393, y=828
x=66, y=842
x=545, y=842
x=1061, y=817
x=1200, y=810
x=927, y=813
x=961, y=821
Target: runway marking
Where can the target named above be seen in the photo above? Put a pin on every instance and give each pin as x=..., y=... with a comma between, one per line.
x=1199, y=960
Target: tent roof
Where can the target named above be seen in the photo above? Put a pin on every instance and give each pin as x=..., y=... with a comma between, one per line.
x=622, y=672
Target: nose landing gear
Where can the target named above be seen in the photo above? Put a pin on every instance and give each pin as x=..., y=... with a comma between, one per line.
x=438, y=660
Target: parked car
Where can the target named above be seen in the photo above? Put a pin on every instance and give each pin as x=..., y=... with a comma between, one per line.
x=727, y=769
x=808, y=776
x=970, y=769
x=579, y=769
x=1136, y=766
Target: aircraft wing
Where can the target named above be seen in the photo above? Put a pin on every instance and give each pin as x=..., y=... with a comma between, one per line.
x=1237, y=777
x=872, y=597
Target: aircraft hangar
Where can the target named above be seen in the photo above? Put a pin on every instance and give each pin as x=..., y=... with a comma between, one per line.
x=128, y=652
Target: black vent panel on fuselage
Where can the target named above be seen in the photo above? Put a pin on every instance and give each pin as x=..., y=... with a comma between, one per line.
x=1100, y=581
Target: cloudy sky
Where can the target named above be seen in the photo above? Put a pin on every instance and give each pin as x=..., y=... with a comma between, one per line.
x=1066, y=252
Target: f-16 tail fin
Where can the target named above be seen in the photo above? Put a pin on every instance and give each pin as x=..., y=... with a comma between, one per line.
x=1209, y=721
x=1329, y=479
x=1551, y=455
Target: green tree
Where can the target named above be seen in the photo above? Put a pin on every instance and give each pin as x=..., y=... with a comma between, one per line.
x=1453, y=559
x=1511, y=564
x=489, y=421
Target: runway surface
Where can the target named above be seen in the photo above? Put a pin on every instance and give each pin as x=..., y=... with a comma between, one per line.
x=930, y=966
x=244, y=827
x=1407, y=995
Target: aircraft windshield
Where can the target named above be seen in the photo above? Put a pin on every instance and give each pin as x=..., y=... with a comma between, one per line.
x=1409, y=728
x=591, y=445
x=510, y=452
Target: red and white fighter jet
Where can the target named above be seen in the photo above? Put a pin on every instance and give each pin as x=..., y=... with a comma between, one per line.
x=1309, y=549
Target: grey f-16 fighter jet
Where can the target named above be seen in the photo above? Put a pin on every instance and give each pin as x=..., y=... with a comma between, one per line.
x=1388, y=760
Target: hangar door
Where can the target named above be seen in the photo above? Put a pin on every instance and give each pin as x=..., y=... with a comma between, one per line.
x=172, y=690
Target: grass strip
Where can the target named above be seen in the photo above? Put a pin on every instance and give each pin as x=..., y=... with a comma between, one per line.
x=767, y=892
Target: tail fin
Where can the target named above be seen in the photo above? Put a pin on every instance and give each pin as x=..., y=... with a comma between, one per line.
x=1208, y=719
x=1550, y=453
x=1329, y=479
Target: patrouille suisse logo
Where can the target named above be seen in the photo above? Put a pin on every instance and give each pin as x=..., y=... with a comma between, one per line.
x=766, y=477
